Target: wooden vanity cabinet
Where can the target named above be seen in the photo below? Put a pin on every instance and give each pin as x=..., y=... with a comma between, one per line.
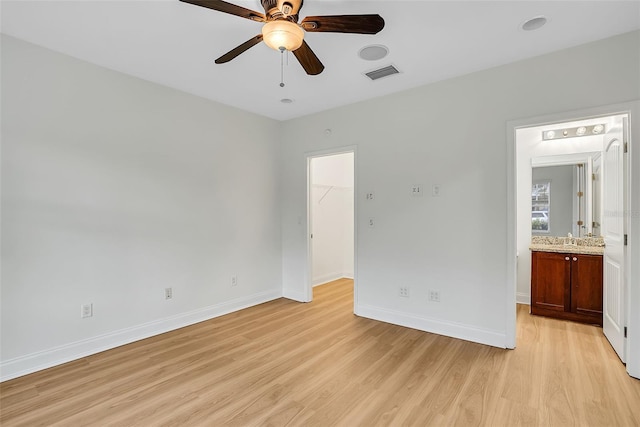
x=567, y=286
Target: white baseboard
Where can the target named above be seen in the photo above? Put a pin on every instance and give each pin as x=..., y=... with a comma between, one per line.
x=523, y=298
x=34, y=362
x=436, y=326
x=295, y=295
x=325, y=278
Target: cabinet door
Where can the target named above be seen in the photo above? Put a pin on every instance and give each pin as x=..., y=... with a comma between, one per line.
x=586, y=285
x=550, y=276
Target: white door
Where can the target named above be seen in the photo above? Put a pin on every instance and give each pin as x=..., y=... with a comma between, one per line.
x=613, y=230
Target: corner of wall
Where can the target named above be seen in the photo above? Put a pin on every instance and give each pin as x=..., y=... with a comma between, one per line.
x=435, y=326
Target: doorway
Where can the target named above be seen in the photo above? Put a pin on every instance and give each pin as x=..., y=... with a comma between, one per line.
x=331, y=215
x=531, y=146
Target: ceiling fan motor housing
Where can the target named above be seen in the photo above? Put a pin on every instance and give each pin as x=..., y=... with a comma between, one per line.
x=282, y=9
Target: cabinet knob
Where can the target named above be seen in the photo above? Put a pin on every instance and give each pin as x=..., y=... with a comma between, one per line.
x=566, y=258
x=575, y=258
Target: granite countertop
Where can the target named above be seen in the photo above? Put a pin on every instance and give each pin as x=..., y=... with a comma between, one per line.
x=568, y=245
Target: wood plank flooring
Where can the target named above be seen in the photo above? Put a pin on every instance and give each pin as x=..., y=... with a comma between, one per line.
x=286, y=363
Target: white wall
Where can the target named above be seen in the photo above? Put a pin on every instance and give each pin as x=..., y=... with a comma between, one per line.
x=451, y=133
x=113, y=189
x=332, y=215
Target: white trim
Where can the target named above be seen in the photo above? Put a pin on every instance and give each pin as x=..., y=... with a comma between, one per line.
x=34, y=362
x=632, y=268
x=308, y=285
x=523, y=298
x=512, y=252
x=435, y=326
x=321, y=280
x=343, y=276
x=294, y=295
x=326, y=278
x=563, y=159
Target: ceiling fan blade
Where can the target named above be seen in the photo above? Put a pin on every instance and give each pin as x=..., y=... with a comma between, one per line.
x=308, y=59
x=360, y=24
x=238, y=50
x=223, y=6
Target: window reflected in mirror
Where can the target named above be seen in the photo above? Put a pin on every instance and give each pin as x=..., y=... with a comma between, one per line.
x=540, y=206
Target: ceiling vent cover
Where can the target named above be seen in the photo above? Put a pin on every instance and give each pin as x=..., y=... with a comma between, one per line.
x=382, y=72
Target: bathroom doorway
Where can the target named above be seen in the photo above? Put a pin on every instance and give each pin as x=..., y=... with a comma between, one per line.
x=541, y=141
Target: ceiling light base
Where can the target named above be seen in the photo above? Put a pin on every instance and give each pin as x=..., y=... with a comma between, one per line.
x=282, y=35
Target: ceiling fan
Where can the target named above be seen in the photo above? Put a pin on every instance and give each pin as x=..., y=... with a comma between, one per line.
x=281, y=30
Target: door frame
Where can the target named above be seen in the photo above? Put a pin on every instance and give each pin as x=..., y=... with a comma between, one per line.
x=308, y=292
x=632, y=270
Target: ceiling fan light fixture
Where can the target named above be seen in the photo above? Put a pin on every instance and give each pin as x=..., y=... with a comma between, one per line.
x=282, y=34
x=281, y=30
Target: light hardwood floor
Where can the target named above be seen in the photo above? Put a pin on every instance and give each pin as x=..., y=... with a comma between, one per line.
x=286, y=363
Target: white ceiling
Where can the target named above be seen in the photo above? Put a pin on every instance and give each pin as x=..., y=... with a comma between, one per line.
x=174, y=44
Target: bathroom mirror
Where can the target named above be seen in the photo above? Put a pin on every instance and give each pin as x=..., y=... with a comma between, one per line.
x=565, y=195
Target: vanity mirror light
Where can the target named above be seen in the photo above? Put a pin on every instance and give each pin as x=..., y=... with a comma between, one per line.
x=566, y=195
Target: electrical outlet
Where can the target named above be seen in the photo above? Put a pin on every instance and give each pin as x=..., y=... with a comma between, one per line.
x=403, y=291
x=371, y=223
x=168, y=293
x=435, y=190
x=86, y=310
x=370, y=196
x=434, y=296
x=234, y=280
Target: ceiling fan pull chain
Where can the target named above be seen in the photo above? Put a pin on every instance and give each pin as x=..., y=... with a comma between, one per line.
x=282, y=66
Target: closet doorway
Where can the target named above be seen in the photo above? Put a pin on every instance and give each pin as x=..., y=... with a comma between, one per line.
x=331, y=214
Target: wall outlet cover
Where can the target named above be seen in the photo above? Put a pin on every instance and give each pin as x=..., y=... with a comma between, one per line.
x=86, y=310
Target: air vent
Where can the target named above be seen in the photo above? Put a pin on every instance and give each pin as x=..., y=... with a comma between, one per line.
x=382, y=72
